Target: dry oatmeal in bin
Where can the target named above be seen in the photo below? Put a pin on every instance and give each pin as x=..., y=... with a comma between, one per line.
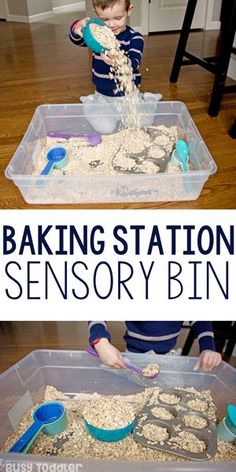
x=75, y=442
x=108, y=413
x=136, y=151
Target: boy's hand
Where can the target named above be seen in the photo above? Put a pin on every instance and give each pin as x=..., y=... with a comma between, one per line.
x=109, y=355
x=80, y=26
x=208, y=360
x=108, y=59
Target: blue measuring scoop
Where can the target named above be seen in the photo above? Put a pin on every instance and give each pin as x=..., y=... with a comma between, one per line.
x=57, y=158
x=49, y=417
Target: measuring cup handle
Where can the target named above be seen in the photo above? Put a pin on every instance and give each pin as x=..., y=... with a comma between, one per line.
x=91, y=351
x=32, y=431
x=133, y=368
x=48, y=168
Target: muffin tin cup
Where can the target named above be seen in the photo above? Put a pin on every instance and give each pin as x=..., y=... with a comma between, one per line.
x=175, y=425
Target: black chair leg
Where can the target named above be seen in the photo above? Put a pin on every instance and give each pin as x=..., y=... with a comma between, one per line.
x=188, y=18
x=227, y=39
x=232, y=132
x=188, y=344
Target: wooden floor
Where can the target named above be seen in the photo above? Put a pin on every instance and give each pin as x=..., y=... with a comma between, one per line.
x=19, y=338
x=39, y=65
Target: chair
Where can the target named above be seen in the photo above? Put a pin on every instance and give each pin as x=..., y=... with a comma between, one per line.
x=225, y=339
x=232, y=132
x=218, y=65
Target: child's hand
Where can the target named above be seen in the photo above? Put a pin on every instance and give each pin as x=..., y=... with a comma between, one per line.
x=208, y=360
x=109, y=58
x=80, y=26
x=109, y=355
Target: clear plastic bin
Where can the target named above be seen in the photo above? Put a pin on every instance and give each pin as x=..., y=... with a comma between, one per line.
x=73, y=372
x=72, y=118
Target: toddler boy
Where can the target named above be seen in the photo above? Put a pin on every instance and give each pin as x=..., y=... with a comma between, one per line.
x=115, y=14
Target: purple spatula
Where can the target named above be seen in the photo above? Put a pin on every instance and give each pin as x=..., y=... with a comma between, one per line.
x=93, y=138
x=129, y=366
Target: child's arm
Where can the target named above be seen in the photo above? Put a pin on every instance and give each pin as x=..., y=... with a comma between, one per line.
x=208, y=358
x=108, y=354
x=76, y=31
x=99, y=338
x=135, y=51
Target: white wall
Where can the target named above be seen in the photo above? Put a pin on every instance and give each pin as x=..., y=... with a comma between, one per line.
x=35, y=6
x=62, y=3
x=3, y=9
x=18, y=8
x=36, y=10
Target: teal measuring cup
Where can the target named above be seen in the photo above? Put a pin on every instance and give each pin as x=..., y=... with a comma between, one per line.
x=110, y=435
x=89, y=39
x=226, y=430
x=57, y=158
x=49, y=417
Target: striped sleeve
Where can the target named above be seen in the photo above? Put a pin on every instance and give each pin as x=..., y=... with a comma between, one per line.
x=203, y=331
x=135, y=51
x=97, y=329
x=74, y=37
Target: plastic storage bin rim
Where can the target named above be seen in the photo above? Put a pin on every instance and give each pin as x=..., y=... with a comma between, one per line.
x=206, y=172
x=74, y=352
x=91, y=465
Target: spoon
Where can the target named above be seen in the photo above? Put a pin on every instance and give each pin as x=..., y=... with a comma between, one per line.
x=93, y=138
x=127, y=365
x=50, y=417
x=181, y=155
x=57, y=158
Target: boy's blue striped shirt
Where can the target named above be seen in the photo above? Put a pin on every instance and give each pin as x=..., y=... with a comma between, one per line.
x=158, y=336
x=131, y=42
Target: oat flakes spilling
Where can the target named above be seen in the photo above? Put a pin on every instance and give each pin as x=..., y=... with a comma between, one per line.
x=122, y=73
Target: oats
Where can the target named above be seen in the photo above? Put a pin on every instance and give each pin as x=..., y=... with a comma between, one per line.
x=162, y=413
x=169, y=398
x=194, y=421
x=189, y=442
x=150, y=370
x=108, y=413
x=155, y=433
x=79, y=444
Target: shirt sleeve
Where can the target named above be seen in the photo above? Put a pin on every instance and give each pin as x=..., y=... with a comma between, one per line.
x=97, y=329
x=203, y=331
x=135, y=51
x=75, y=37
